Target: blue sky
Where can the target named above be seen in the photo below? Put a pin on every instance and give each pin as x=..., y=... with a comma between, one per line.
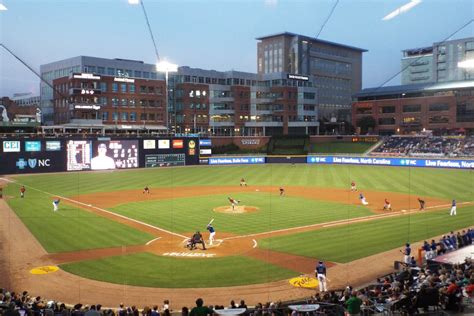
x=214, y=34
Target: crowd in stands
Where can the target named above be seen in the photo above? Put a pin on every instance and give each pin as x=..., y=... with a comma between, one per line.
x=412, y=290
x=427, y=146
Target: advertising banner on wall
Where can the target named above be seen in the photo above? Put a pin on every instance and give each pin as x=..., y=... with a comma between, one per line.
x=236, y=160
x=397, y=162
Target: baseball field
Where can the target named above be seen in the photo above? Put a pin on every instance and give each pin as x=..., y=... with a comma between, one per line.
x=108, y=230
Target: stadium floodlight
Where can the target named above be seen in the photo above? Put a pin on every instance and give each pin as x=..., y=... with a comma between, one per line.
x=133, y=1
x=3, y=7
x=466, y=64
x=403, y=9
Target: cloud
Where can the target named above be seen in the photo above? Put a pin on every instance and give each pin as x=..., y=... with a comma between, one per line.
x=271, y=3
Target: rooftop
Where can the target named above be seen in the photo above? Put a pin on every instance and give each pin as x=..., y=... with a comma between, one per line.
x=312, y=39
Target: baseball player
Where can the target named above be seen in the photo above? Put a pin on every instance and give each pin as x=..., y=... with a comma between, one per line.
x=282, y=191
x=363, y=200
x=233, y=202
x=406, y=253
x=453, y=208
x=197, y=239
x=387, y=206
x=320, y=272
x=422, y=204
x=243, y=183
x=427, y=249
x=22, y=191
x=146, y=190
x=56, y=204
x=212, y=233
x=353, y=186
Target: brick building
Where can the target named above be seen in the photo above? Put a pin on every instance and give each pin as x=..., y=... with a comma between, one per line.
x=440, y=107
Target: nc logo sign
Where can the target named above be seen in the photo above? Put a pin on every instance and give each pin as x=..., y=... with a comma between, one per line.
x=32, y=163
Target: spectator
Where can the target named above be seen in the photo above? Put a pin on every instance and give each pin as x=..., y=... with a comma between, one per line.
x=200, y=310
x=184, y=311
x=353, y=304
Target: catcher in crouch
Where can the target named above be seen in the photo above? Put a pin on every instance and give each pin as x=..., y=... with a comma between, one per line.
x=197, y=239
x=233, y=202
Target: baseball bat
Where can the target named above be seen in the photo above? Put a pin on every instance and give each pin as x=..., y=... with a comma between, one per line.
x=210, y=222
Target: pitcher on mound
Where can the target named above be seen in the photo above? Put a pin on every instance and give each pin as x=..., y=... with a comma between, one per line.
x=233, y=202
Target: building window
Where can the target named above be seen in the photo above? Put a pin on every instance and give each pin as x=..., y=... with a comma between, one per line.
x=132, y=102
x=101, y=70
x=114, y=87
x=439, y=107
x=465, y=112
x=133, y=116
x=154, y=75
x=103, y=86
x=387, y=109
x=410, y=108
x=132, y=88
x=123, y=87
x=111, y=71
x=138, y=74
x=387, y=121
x=151, y=117
x=103, y=100
x=115, y=116
x=124, y=116
x=146, y=74
x=142, y=89
x=309, y=95
x=438, y=120
x=364, y=110
x=124, y=102
x=143, y=116
x=105, y=116
x=115, y=101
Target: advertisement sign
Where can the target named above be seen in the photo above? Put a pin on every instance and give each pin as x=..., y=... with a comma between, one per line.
x=114, y=154
x=53, y=145
x=33, y=145
x=164, y=160
x=79, y=155
x=163, y=144
x=32, y=163
x=236, y=160
x=205, y=151
x=11, y=146
x=398, y=162
x=149, y=144
x=205, y=143
x=192, y=148
x=178, y=143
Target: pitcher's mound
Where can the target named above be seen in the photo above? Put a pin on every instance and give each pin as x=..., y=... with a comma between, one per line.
x=239, y=209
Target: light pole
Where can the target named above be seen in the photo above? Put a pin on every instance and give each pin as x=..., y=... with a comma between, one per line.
x=166, y=67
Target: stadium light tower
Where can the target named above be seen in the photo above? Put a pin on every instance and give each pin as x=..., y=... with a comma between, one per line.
x=466, y=64
x=167, y=67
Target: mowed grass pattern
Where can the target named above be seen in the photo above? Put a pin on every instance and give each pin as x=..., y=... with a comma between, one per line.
x=69, y=229
x=444, y=183
x=347, y=243
x=275, y=212
x=145, y=269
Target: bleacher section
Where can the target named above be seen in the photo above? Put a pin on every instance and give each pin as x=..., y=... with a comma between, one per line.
x=426, y=146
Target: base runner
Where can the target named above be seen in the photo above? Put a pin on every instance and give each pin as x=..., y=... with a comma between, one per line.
x=363, y=200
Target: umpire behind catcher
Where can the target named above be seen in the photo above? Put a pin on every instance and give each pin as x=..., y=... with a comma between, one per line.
x=197, y=239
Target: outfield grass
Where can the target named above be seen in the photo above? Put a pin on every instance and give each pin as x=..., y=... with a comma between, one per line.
x=70, y=228
x=340, y=148
x=347, y=243
x=189, y=214
x=444, y=183
x=145, y=269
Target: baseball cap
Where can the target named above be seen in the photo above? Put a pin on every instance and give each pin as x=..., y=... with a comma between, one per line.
x=103, y=146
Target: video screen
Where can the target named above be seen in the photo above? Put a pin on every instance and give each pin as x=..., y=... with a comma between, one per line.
x=114, y=154
x=79, y=155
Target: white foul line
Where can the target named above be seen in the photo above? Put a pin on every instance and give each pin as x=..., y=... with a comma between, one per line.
x=105, y=211
x=152, y=240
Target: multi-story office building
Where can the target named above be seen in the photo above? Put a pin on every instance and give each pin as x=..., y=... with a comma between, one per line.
x=239, y=103
x=111, y=100
x=27, y=99
x=85, y=64
x=438, y=63
x=439, y=107
x=337, y=68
